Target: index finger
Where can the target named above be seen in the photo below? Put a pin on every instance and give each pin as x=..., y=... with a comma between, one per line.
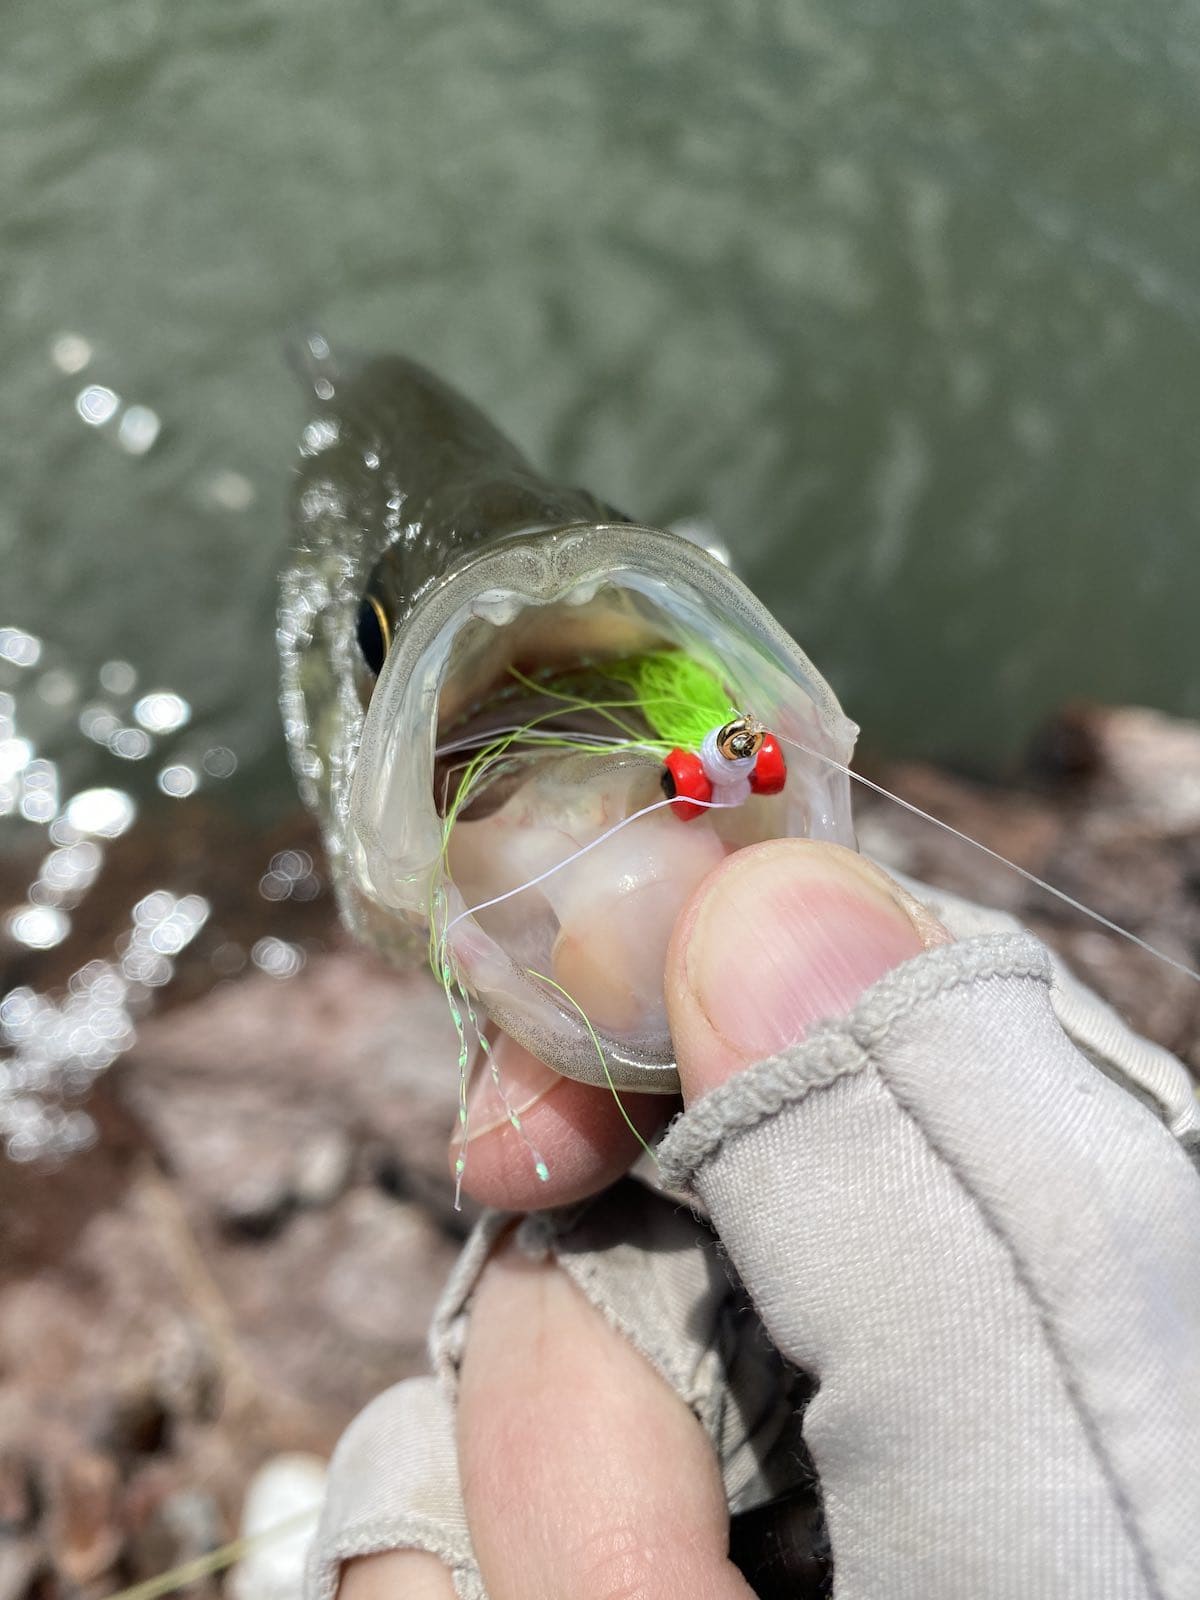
x=526, y=1120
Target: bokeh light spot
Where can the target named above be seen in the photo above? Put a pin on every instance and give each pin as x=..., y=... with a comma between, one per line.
x=138, y=429
x=105, y=813
x=178, y=781
x=162, y=711
x=39, y=927
x=97, y=404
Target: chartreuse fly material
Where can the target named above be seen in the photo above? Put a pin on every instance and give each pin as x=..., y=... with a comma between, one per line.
x=680, y=699
x=662, y=700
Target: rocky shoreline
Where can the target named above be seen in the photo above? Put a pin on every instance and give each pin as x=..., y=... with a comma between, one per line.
x=251, y=1247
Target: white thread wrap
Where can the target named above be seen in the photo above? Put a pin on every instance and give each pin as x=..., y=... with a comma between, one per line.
x=729, y=775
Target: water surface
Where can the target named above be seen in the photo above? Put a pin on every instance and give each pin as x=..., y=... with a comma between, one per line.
x=903, y=298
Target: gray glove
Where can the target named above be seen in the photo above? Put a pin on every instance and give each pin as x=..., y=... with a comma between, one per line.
x=967, y=1211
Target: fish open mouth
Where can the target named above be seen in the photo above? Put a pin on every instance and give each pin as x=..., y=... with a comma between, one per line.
x=508, y=794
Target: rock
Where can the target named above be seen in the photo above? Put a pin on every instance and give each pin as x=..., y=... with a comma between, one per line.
x=345, y=1308
x=18, y=1493
x=261, y=1096
x=85, y=1532
x=1137, y=765
x=374, y=1287
x=280, y=1511
x=23, y=1563
x=323, y=1168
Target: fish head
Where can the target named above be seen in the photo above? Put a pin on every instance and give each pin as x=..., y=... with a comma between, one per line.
x=391, y=642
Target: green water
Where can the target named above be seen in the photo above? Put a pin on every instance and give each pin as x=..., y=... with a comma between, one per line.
x=904, y=299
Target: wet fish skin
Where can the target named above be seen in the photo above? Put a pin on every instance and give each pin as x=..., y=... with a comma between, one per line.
x=447, y=481
x=401, y=480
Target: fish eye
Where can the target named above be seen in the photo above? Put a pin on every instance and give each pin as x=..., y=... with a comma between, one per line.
x=373, y=632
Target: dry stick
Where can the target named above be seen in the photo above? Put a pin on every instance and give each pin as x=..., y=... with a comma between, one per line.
x=170, y=1221
x=214, y=1561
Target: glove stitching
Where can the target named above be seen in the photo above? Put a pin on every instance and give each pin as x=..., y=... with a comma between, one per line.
x=1087, y=1420
x=696, y=1136
x=837, y=1048
x=381, y=1535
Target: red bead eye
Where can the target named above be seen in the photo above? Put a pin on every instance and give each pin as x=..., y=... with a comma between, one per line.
x=770, y=770
x=686, y=780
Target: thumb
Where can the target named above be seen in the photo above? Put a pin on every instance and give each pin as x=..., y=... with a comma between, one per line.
x=782, y=936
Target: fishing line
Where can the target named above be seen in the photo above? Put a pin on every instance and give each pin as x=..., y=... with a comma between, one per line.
x=489, y=750
x=459, y=1000
x=452, y=981
x=1030, y=877
x=532, y=883
x=447, y=976
x=227, y=1555
x=907, y=805
x=540, y=1167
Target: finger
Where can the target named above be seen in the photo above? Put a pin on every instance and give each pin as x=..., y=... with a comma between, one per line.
x=396, y=1575
x=782, y=936
x=578, y=1132
x=583, y=1474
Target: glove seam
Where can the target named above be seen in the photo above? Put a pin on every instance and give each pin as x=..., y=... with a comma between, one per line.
x=552, y=1232
x=584, y=1273
x=446, y=1328
x=1088, y=1421
x=844, y=1046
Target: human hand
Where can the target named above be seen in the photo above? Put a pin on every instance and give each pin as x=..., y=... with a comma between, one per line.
x=979, y=1246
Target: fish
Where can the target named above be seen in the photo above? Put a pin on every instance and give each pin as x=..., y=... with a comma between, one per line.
x=439, y=584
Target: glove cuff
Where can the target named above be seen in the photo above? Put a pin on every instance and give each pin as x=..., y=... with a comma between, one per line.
x=393, y=1485
x=839, y=1048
